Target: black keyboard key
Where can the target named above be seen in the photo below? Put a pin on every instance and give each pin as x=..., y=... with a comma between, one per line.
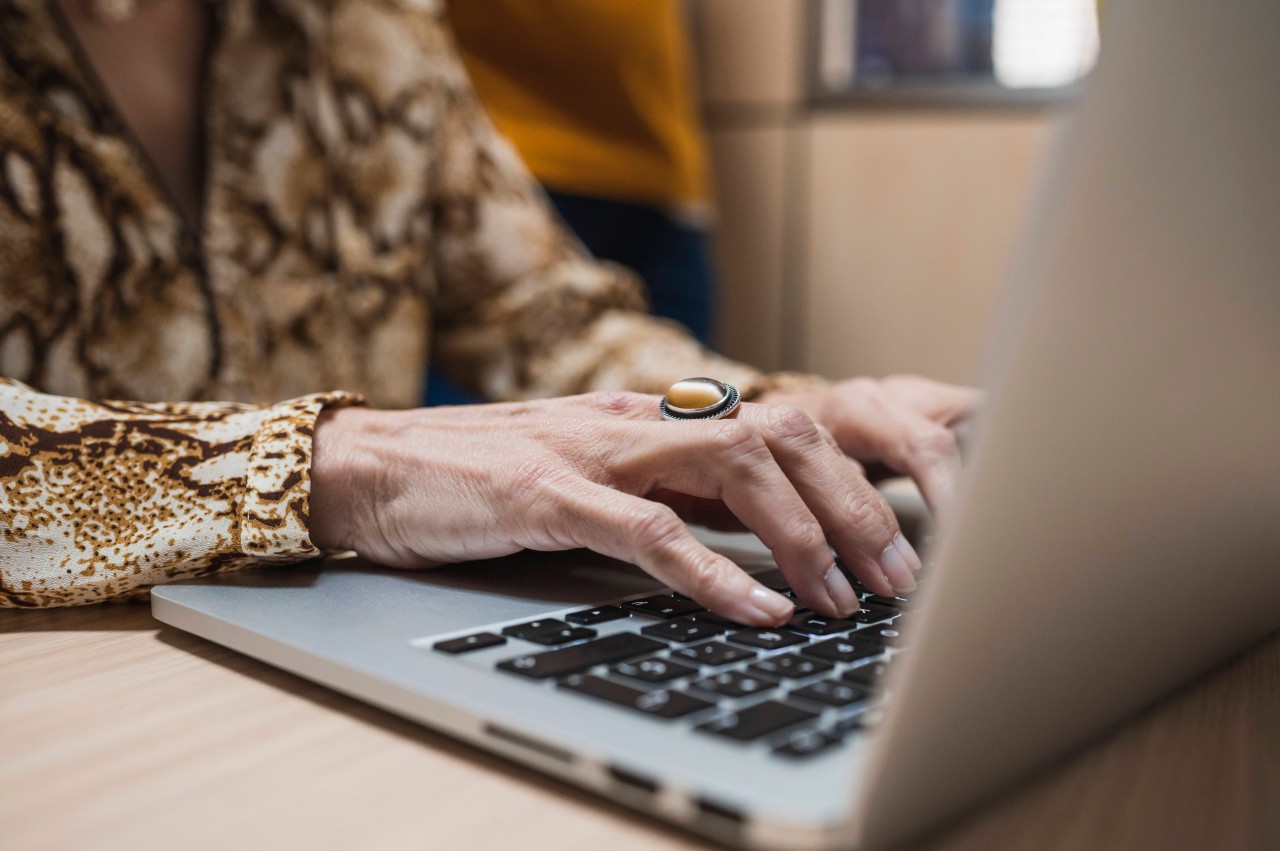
x=767, y=639
x=467, y=643
x=871, y=613
x=866, y=675
x=884, y=633
x=552, y=637
x=579, y=657
x=790, y=666
x=811, y=623
x=683, y=630
x=656, y=704
x=832, y=693
x=600, y=614
x=711, y=617
x=891, y=602
x=735, y=684
x=548, y=631
x=663, y=606
x=524, y=630
x=714, y=654
x=764, y=718
x=803, y=744
x=843, y=649
x=654, y=670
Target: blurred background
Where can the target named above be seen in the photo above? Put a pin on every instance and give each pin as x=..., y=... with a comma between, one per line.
x=873, y=164
x=830, y=186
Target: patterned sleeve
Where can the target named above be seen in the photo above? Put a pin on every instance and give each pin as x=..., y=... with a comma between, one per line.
x=523, y=311
x=102, y=500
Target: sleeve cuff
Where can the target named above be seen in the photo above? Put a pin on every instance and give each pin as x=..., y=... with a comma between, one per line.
x=275, y=507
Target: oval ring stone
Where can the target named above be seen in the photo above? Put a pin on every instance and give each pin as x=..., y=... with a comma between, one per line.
x=699, y=399
x=694, y=393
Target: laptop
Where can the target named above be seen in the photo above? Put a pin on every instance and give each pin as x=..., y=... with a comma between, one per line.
x=1116, y=534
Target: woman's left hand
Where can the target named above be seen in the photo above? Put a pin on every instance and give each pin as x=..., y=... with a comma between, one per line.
x=906, y=423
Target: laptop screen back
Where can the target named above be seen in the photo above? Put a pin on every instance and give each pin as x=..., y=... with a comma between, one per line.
x=1118, y=533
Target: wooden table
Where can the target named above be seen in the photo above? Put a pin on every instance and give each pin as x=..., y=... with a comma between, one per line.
x=116, y=732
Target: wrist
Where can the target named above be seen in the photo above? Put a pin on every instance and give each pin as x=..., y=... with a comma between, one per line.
x=338, y=476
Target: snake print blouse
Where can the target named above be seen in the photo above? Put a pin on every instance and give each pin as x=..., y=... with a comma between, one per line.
x=359, y=216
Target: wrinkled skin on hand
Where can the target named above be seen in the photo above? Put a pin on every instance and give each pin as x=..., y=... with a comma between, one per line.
x=604, y=471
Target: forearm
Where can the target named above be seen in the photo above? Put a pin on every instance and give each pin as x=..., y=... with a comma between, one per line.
x=104, y=499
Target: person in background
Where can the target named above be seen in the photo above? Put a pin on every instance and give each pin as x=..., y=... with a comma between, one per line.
x=600, y=100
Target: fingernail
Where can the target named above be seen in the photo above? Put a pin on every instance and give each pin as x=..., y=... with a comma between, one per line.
x=842, y=596
x=902, y=545
x=896, y=570
x=771, y=604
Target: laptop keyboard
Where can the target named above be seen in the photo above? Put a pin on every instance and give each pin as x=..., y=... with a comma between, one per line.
x=799, y=690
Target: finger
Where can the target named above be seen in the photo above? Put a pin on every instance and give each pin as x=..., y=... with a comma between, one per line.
x=930, y=454
x=835, y=445
x=926, y=451
x=943, y=403
x=730, y=460
x=644, y=407
x=875, y=425
x=651, y=536
x=853, y=514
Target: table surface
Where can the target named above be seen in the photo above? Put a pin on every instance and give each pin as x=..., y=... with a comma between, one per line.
x=118, y=732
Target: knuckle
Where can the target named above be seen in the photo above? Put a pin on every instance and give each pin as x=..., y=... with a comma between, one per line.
x=618, y=401
x=792, y=424
x=866, y=513
x=704, y=575
x=807, y=534
x=656, y=527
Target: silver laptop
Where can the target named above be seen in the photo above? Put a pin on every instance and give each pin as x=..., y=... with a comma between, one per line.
x=1118, y=532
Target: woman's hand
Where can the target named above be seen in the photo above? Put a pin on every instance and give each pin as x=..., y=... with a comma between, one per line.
x=604, y=471
x=905, y=423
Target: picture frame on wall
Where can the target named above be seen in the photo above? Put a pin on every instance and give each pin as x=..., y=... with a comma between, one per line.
x=951, y=52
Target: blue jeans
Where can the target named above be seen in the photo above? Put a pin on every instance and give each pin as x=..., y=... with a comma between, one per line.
x=671, y=258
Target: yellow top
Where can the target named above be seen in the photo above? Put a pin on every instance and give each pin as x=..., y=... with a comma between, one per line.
x=597, y=95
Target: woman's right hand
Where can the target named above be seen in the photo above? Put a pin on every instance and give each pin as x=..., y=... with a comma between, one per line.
x=604, y=471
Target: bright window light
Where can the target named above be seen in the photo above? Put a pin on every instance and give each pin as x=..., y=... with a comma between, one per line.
x=1044, y=43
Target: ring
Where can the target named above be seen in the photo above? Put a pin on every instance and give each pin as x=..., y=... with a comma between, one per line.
x=699, y=399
